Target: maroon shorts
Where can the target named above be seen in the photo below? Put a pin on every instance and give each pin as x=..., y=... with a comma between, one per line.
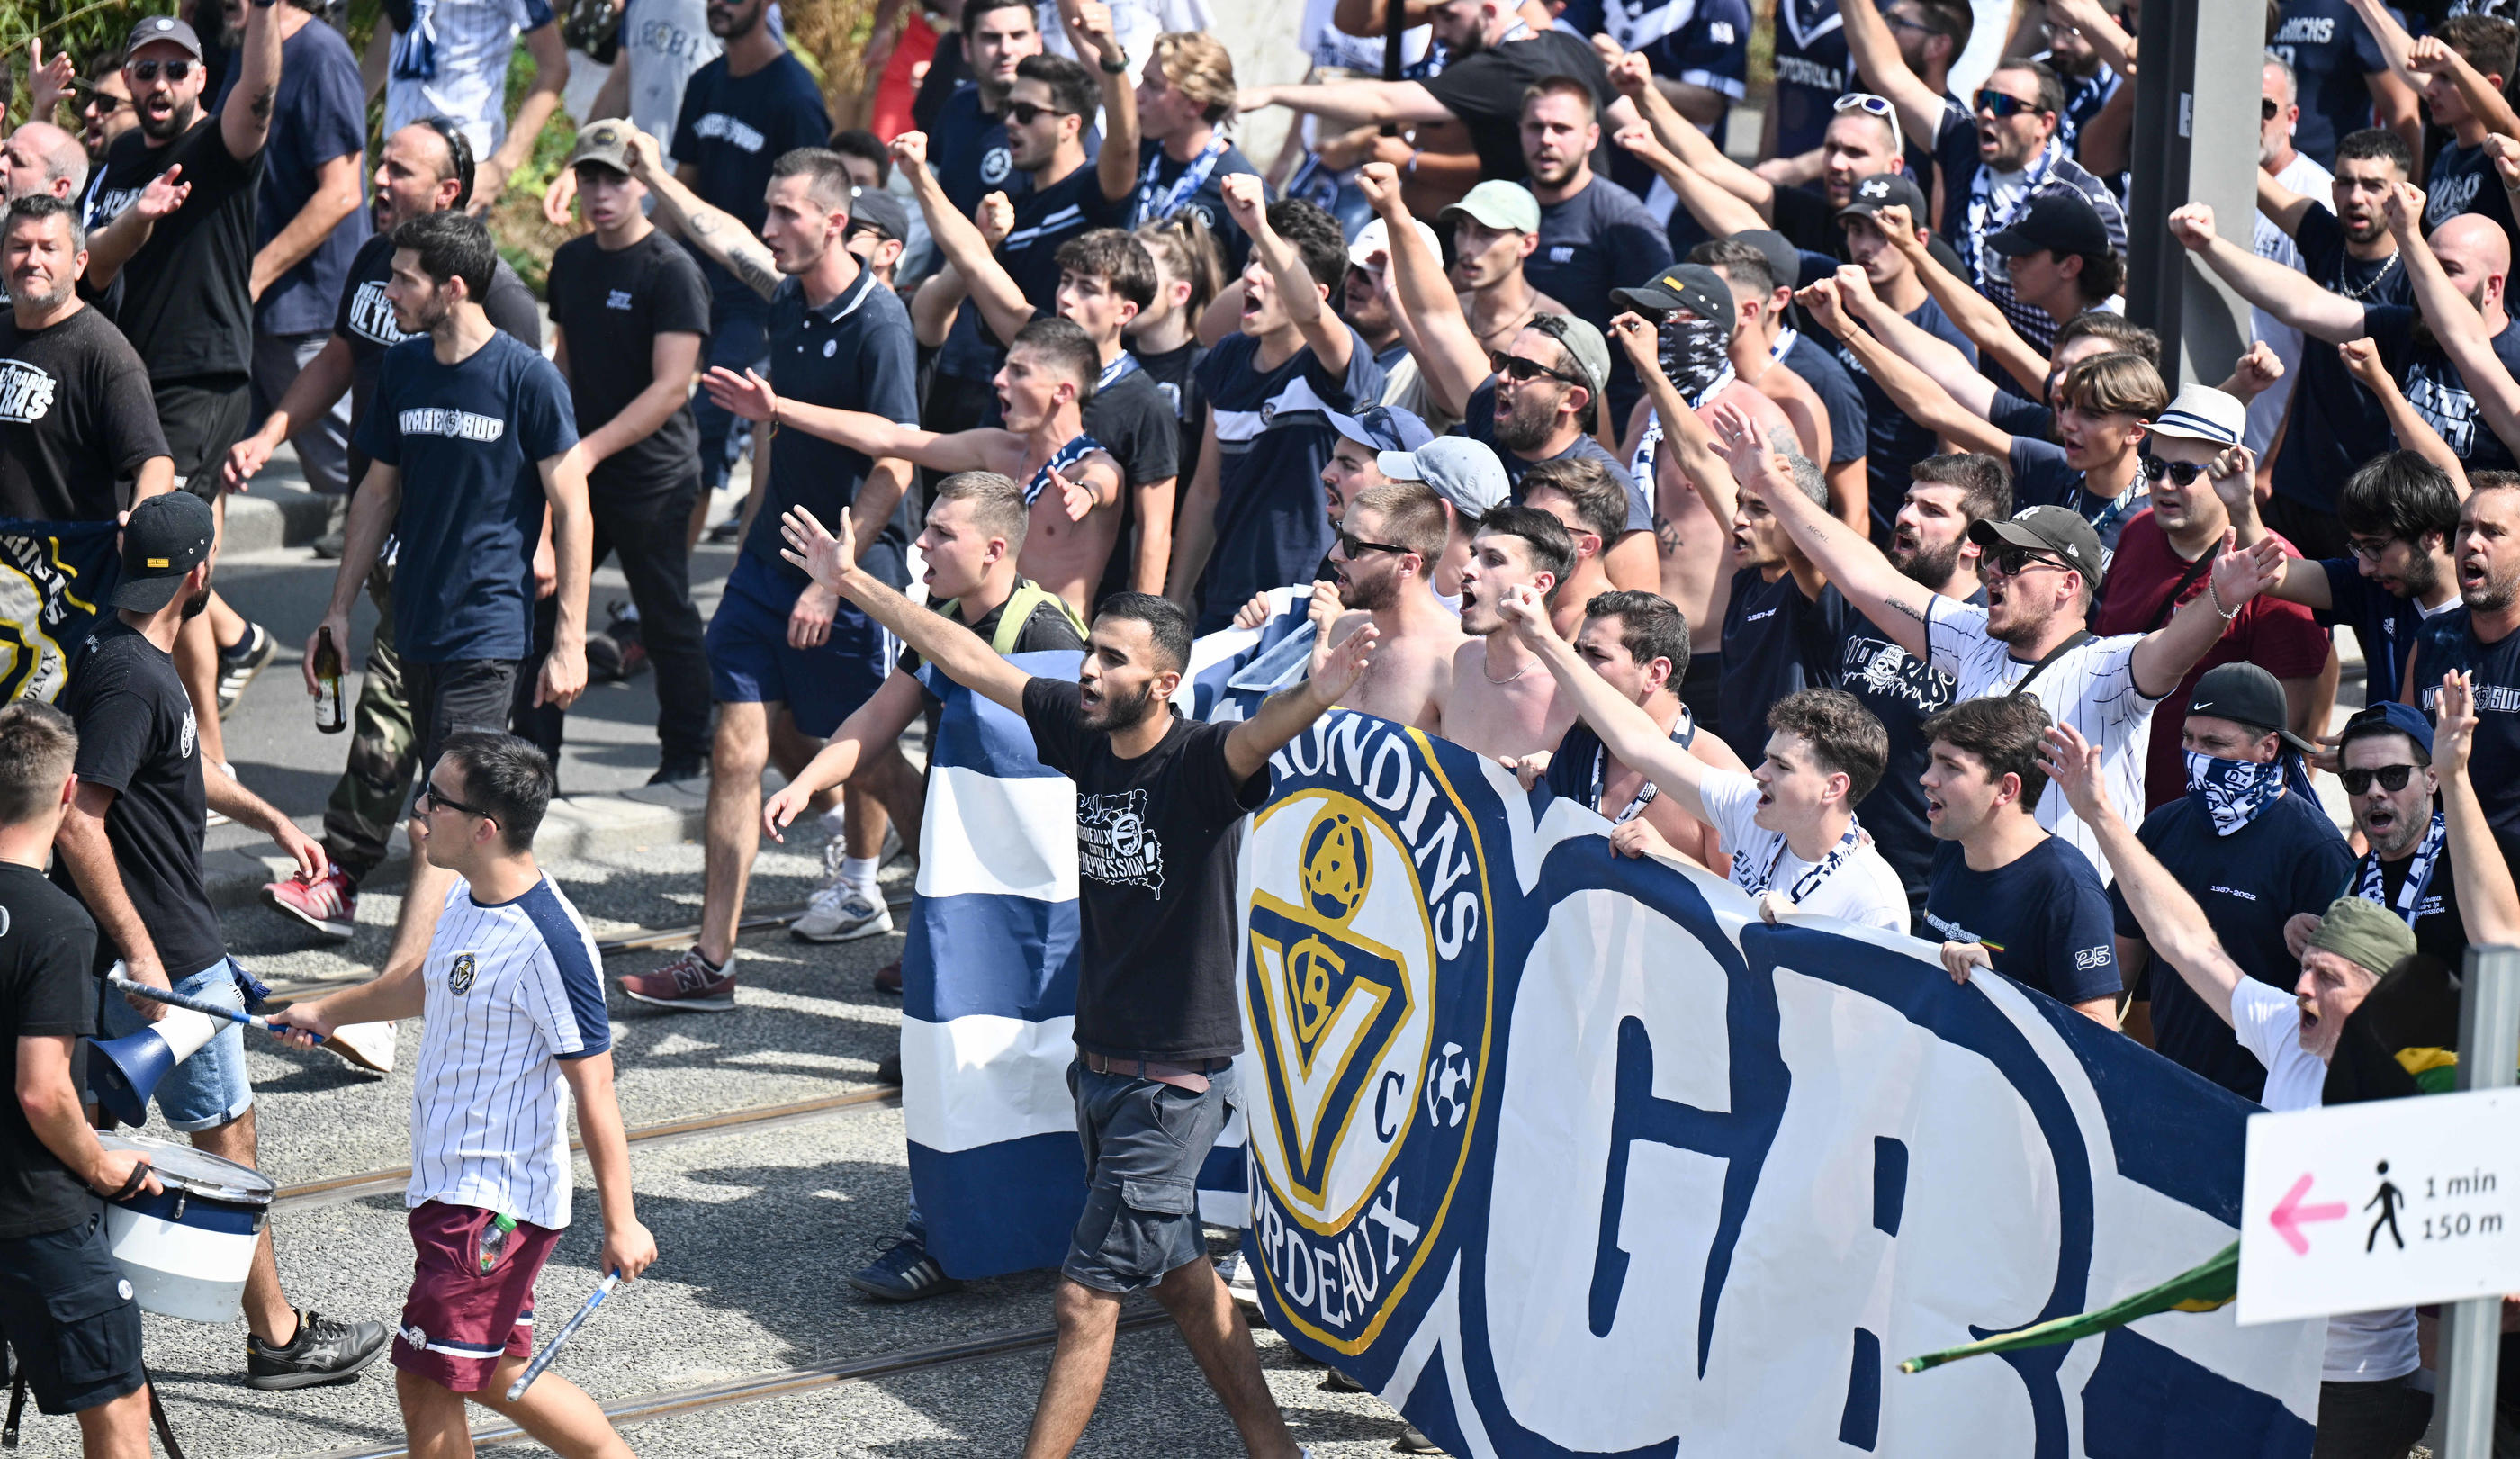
x=459, y=1321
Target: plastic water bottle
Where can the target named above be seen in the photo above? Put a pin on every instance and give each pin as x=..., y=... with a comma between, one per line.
x=331, y=715
x=495, y=1240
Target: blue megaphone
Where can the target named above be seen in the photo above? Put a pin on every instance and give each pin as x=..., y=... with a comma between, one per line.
x=126, y=1072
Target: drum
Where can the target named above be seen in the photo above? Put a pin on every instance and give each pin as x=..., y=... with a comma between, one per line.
x=185, y=1249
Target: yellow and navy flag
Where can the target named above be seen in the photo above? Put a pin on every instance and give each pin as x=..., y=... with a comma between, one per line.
x=56, y=582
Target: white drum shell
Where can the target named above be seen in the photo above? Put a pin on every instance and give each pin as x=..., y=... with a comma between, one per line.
x=180, y=1270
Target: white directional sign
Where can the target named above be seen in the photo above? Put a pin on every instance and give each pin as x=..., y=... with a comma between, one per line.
x=2381, y=1205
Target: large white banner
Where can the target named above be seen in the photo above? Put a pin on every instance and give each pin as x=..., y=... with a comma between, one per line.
x=1568, y=1154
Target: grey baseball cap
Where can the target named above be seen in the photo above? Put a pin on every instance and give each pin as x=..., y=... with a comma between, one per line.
x=1499, y=205
x=1463, y=471
x=162, y=27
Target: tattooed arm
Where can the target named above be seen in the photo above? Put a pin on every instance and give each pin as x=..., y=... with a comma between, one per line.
x=245, y=123
x=705, y=228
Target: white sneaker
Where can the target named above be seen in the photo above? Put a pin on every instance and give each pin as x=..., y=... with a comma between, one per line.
x=369, y=1047
x=1239, y=1282
x=843, y=914
x=214, y=818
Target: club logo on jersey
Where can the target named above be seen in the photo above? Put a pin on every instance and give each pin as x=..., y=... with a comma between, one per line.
x=717, y=126
x=191, y=734
x=26, y=391
x=995, y=164
x=461, y=424
x=1374, y=1087
x=459, y=976
x=619, y=299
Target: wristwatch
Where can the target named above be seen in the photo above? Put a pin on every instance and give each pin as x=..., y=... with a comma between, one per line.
x=1115, y=68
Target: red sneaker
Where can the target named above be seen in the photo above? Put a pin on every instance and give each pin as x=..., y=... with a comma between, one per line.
x=684, y=985
x=887, y=978
x=329, y=905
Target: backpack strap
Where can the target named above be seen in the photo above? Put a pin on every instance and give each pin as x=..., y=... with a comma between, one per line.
x=1022, y=605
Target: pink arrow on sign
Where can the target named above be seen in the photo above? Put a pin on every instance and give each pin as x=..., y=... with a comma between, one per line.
x=2290, y=1216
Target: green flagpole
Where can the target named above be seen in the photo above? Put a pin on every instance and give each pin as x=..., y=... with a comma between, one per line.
x=2202, y=1290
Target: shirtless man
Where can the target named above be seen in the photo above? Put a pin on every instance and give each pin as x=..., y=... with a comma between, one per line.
x=1384, y=559
x=1638, y=644
x=1072, y=485
x=1758, y=300
x=1584, y=498
x=1503, y=702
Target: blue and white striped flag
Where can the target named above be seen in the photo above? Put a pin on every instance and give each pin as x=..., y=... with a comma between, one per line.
x=989, y=999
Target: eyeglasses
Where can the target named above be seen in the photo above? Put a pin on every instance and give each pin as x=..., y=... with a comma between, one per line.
x=2012, y=562
x=2368, y=549
x=145, y=72
x=434, y=798
x=1523, y=371
x=1874, y=106
x=2002, y=105
x=2180, y=473
x=1901, y=22
x=2267, y=108
x=1025, y=114
x=1353, y=546
x=2392, y=778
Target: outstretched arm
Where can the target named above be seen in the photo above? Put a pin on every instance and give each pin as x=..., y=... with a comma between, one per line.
x=1628, y=732
x=2430, y=57
x=1351, y=103
x=2415, y=433
x=1708, y=169
x=2173, y=924
x=966, y=250
x=1717, y=209
x=1940, y=360
x=965, y=657
x=1915, y=391
x=2283, y=206
x=110, y=246
x=751, y=396
x=1876, y=52
x=2287, y=293
x=2165, y=654
x=2487, y=902
x=2453, y=320
x=713, y=231
x=1454, y=363
x=1691, y=444
x=1307, y=301
x=1334, y=672
x=1976, y=315
x=1089, y=30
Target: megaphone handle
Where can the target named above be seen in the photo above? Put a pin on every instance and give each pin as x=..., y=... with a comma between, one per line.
x=173, y=999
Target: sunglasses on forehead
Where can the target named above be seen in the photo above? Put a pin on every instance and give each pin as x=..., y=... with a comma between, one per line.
x=1876, y=107
x=1998, y=103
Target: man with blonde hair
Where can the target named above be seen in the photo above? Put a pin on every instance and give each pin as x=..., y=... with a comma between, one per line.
x=1185, y=95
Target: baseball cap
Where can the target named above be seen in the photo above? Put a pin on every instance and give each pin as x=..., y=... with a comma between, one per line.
x=2203, y=413
x=167, y=536
x=2055, y=529
x=1376, y=239
x=1385, y=427
x=2388, y=717
x=1694, y=287
x=2058, y=219
x=1887, y=190
x=1583, y=342
x=1463, y=471
x=1499, y=205
x=162, y=27
x=606, y=143
x=1784, y=261
x=876, y=208
x=2245, y=695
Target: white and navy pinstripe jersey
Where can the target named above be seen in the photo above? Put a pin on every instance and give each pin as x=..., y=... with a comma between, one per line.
x=512, y=988
x=2091, y=688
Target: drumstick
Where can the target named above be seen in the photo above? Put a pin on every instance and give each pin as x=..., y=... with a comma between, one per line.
x=543, y=1360
x=203, y=1005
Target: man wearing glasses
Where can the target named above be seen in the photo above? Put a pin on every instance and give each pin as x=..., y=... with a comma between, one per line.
x=2042, y=570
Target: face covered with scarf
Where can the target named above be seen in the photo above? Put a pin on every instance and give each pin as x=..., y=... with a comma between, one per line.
x=1693, y=355
x=2234, y=770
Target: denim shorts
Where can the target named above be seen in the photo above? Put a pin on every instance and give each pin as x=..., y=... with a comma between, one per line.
x=1144, y=1141
x=65, y=1307
x=208, y=1090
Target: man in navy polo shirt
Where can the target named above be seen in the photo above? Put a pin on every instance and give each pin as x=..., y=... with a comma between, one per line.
x=2256, y=849
x=788, y=660
x=485, y=425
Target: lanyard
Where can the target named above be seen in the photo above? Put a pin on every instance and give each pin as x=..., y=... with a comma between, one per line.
x=1184, y=188
x=2420, y=874
x=1111, y=372
x=1813, y=875
x=2080, y=638
x=1078, y=447
x=1682, y=733
x=1785, y=342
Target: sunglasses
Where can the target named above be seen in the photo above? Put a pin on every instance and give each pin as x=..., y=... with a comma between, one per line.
x=1025, y=114
x=2000, y=105
x=1353, y=546
x=434, y=798
x=2267, y=108
x=2012, y=562
x=2392, y=778
x=1873, y=106
x=1523, y=371
x=145, y=72
x=2180, y=473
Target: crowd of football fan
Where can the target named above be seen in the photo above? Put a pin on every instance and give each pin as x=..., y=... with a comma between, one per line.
x=1821, y=521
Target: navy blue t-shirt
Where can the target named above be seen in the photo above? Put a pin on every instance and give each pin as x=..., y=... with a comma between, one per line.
x=321, y=113
x=1273, y=525
x=1046, y=219
x=1776, y=641
x=1598, y=240
x=2018, y=415
x=2462, y=179
x=1893, y=442
x=1480, y=426
x=2041, y=478
x=2448, y=643
x=968, y=152
x=2331, y=52
x=2043, y=918
x=856, y=353
x=1848, y=426
x=1902, y=692
x=2435, y=387
x=2336, y=424
x=466, y=438
x=2290, y=859
x=2383, y=623
x=1812, y=72
x=733, y=129
x=1206, y=199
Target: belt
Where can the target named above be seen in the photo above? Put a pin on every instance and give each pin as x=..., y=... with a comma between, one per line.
x=1179, y=1075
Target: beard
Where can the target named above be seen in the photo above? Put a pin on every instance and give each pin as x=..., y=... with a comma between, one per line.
x=2494, y=594
x=2423, y=575
x=196, y=604
x=1530, y=424
x=736, y=27
x=1930, y=566
x=177, y=122
x=1122, y=712
x=1369, y=596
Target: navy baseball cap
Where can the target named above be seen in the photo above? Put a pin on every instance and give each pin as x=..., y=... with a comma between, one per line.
x=163, y=27
x=2389, y=717
x=1385, y=427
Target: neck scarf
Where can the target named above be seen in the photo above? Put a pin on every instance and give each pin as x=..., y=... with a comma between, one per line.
x=1154, y=204
x=1984, y=220
x=1757, y=883
x=2232, y=791
x=1786, y=339
x=1682, y=733
x=1078, y=447
x=1111, y=372
x=2372, y=887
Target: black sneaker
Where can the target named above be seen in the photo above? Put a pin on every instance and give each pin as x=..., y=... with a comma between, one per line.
x=322, y=1352
x=1413, y=1441
x=673, y=771
x=729, y=530
x=903, y=1272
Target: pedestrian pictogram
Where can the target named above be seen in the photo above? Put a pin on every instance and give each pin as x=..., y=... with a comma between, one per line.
x=2389, y=1199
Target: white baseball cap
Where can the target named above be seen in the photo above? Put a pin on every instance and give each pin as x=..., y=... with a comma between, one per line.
x=1376, y=239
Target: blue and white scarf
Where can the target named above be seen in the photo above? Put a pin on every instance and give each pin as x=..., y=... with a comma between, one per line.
x=1061, y=462
x=1156, y=206
x=2232, y=791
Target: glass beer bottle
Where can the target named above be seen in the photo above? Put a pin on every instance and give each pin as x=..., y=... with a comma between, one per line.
x=332, y=715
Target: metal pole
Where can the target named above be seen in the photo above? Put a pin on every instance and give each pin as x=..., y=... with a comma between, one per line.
x=2207, y=94
x=2489, y=1046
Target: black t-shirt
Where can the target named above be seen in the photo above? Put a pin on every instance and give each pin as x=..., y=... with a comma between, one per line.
x=612, y=307
x=1903, y=691
x=2441, y=932
x=1802, y=215
x=2331, y=52
x=1157, y=852
x=1485, y=91
x=138, y=739
x=2448, y=643
x=76, y=420
x=185, y=300
x=1134, y=421
x=733, y=129
x=2289, y=860
x=1776, y=641
x=1046, y=217
x=1849, y=425
x=1175, y=372
x=2462, y=179
x=365, y=322
x=47, y=991
x=2336, y=424
x=2043, y=918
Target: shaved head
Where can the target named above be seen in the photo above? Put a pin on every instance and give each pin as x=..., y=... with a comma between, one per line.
x=42, y=158
x=2476, y=254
